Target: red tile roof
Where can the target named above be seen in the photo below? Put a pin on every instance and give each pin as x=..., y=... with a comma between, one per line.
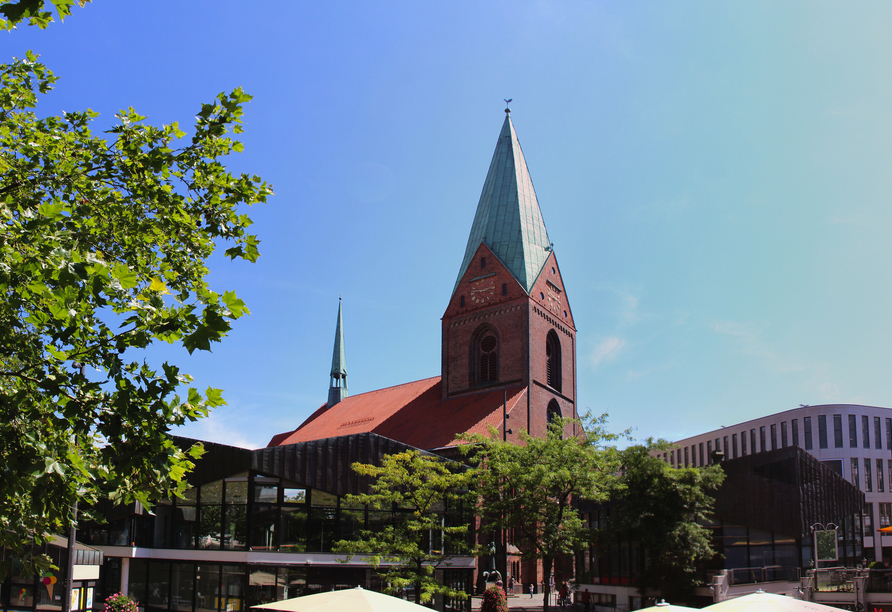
x=412, y=413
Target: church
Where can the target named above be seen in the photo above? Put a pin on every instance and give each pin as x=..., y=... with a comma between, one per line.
x=508, y=337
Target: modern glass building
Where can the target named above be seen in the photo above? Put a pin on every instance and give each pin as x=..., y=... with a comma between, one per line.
x=763, y=522
x=257, y=526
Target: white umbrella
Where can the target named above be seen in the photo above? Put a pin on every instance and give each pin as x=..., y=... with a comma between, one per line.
x=761, y=601
x=355, y=600
x=668, y=607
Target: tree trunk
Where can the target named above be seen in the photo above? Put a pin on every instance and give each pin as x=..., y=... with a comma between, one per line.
x=546, y=572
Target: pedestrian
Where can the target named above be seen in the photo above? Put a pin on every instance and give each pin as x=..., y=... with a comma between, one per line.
x=511, y=584
x=585, y=600
x=562, y=595
x=531, y=590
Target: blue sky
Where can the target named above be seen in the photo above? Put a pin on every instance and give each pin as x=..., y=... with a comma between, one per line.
x=715, y=178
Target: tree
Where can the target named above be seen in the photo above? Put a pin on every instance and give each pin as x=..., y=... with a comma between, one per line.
x=664, y=510
x=422, y=500
x=103, y=252
x=531, y=487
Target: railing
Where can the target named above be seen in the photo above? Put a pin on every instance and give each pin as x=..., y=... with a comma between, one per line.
x=879, y=581
x=749, y=575
x=835, y=579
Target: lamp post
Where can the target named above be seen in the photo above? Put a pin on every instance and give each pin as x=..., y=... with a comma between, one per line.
x=72, y=533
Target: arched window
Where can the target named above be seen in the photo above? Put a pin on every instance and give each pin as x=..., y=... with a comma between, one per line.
x=553, y=370
x=484, y=357
x=554, y=412
x=489, y=358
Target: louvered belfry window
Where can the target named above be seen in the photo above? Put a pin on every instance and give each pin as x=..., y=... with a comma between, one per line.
x=489, y=359
x=553, y=361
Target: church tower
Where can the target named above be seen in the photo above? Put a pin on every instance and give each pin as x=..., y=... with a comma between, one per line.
x=337, y=389
x=508, y=323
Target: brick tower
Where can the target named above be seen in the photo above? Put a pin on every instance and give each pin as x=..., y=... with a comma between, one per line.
x=508, y=323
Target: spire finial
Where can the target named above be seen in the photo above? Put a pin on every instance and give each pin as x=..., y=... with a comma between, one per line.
x=507, y=105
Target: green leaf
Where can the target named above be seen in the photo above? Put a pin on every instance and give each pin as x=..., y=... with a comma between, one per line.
x=125, y=276
x=235, y=306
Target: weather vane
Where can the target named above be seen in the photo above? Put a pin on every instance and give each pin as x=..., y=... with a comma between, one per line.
x=507, y=103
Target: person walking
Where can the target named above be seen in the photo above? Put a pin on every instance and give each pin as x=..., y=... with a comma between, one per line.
x=531, y=590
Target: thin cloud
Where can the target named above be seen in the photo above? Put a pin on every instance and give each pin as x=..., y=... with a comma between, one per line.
x=607, y=350
x=751, y=342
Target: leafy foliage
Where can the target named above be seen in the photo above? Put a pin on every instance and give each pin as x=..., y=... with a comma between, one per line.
x=102, y=253
x=664, y=510
x=34, y=12
x=494, y=600
x=424, y=501
x=531, y=487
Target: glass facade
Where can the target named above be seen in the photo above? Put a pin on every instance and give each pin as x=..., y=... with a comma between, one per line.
x=250, y=512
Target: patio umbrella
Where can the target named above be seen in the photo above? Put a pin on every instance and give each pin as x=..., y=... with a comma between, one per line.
x=355, y=600
x=668, y=607
x=885, y=529
x=760, y=601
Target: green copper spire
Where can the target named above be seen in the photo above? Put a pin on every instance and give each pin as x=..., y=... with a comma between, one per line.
x=337, y=390
x=508, y=218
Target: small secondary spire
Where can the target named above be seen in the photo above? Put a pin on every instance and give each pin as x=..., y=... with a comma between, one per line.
x=337, y=389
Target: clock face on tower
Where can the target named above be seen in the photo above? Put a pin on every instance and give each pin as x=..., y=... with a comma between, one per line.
x=482, y=290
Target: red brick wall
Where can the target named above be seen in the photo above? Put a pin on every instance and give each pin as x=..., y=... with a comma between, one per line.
x=522, y=323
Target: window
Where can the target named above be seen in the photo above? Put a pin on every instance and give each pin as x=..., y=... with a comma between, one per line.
x=877, y=433
x=484, y=357
x=554, y=411
x=794, y=426
x=672, y=458
x=709, y=450
x=837, y=431
x=880, y=483
x=483, y=262
x=462, y=303
x=885, y=514
x=753, y=448
x=725, y=448
x=806, y=423
x=855, y=480
x=865, y=427
x=762, y=447
x=686, y=458
x=702, y=458
x=734, y=446
x=553, y=360
x=694, y=455
x=774, y=436
x=822, y=430
x=867, y=518
x=743, y=443
x=868, y=483
x=784, y=440
x=853, y=432
x=504, y=288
